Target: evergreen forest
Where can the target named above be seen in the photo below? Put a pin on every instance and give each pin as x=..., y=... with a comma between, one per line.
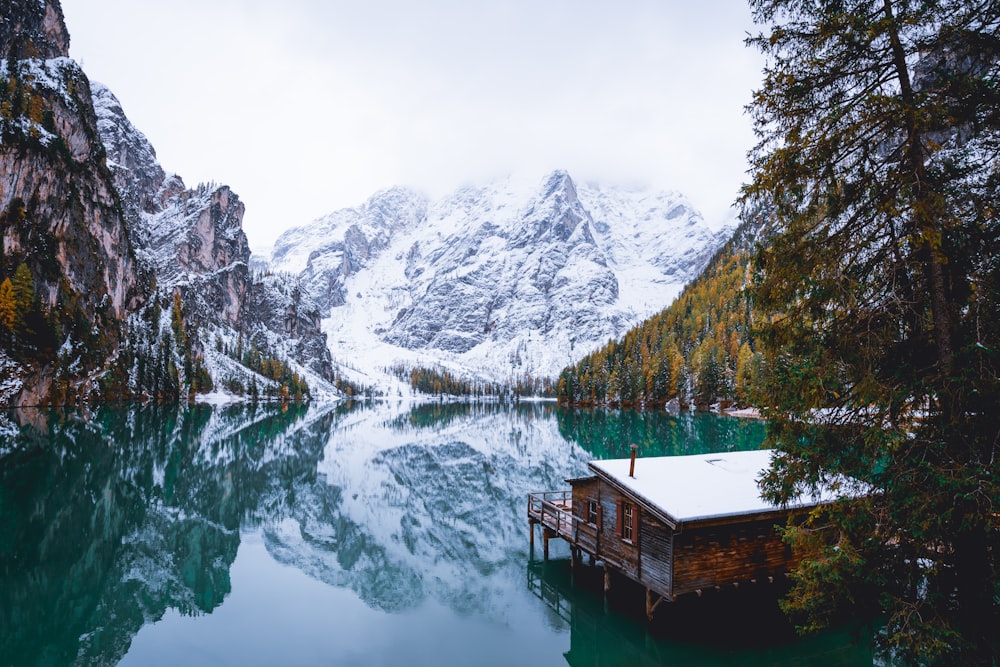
x=699, y=351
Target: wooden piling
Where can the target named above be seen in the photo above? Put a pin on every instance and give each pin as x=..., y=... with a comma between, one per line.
x=653, y=601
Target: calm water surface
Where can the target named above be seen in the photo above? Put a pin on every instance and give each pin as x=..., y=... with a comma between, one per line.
x=346, y=535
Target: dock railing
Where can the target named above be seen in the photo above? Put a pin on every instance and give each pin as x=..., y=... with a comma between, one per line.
x=554, y=510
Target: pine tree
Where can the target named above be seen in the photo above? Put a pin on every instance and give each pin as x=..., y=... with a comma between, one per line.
x=879, y=126
x=8, y=308
x=23, y=290
x=177, y=321
x=667, y=350
x=744, y=374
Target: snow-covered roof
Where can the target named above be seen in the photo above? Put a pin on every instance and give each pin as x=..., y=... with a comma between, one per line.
x=699, y=487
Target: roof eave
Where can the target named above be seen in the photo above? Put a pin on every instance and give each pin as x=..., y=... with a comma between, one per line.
x=644, y=502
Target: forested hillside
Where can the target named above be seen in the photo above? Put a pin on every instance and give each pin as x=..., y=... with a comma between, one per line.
x=699, y=350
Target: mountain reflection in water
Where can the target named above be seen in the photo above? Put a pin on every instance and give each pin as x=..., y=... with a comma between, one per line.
x=116, y=523
x=109, y=518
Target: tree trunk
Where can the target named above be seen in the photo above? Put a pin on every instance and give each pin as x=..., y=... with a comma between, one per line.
x=926, y=217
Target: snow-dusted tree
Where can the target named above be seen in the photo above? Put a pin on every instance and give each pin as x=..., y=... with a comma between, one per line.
x=879, y=298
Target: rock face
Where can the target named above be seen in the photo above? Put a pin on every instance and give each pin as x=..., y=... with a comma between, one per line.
x=194, y=240
x=188, y=237
x=196, y=243
x=336, y=247
x=499, y=280
x=33, y=29
x=116, y=280
x=61, y=218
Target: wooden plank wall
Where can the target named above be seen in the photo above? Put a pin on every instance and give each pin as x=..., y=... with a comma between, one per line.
x=656, y=546
x=647, y=559
x=726, y=554
x=623, y=556
x=587, y=537
x=674, y=563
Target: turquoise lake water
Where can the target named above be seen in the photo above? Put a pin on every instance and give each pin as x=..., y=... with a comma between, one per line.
x=344, y=535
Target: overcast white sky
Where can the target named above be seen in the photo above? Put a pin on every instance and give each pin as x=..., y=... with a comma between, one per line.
x=308, y=106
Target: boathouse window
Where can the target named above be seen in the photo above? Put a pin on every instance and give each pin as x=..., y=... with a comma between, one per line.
x=628, y=516
x=592, y=512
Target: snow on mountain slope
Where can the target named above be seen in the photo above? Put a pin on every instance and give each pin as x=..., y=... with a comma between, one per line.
x=384, y=519
x=496, y=281
x=193, y=240
x=371, y=225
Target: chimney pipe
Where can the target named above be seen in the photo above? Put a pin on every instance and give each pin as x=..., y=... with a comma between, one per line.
x=631, y=465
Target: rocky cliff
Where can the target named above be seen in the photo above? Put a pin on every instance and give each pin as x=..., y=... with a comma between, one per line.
x=31, y=29
x=116, y=280
x=68, y=268
x=193, y=239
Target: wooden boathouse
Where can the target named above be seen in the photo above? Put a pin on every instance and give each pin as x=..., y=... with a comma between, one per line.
x=673, y=524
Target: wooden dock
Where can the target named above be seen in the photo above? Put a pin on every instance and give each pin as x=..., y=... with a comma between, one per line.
x=553, y=511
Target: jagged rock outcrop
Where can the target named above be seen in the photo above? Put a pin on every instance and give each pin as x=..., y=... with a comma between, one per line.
x=138, y=176
x=292, y=321
x=335, y=247
x=496, y=281
x=33, y=29
x=61, y=218
x=196, y=243
x=194, y=240
x=116, y=280
x=501, y=280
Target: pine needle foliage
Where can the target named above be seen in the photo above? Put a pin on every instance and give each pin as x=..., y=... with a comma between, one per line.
x=878, y=305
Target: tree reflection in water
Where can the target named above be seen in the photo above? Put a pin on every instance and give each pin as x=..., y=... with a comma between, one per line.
x=110, y=518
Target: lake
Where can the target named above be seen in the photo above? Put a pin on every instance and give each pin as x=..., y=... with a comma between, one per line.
x=344, y=535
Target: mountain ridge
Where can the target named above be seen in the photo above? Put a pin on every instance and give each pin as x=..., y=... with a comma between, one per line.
x=496, y=281
x=118, y=282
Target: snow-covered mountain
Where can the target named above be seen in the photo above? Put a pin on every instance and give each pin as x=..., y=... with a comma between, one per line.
x=132, y=285
x=498, y=281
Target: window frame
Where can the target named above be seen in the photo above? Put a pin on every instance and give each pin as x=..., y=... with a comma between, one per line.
x=593, y=511
x=628, y=521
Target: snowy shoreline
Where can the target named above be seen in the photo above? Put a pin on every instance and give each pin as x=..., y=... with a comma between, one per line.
x=745, y=413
